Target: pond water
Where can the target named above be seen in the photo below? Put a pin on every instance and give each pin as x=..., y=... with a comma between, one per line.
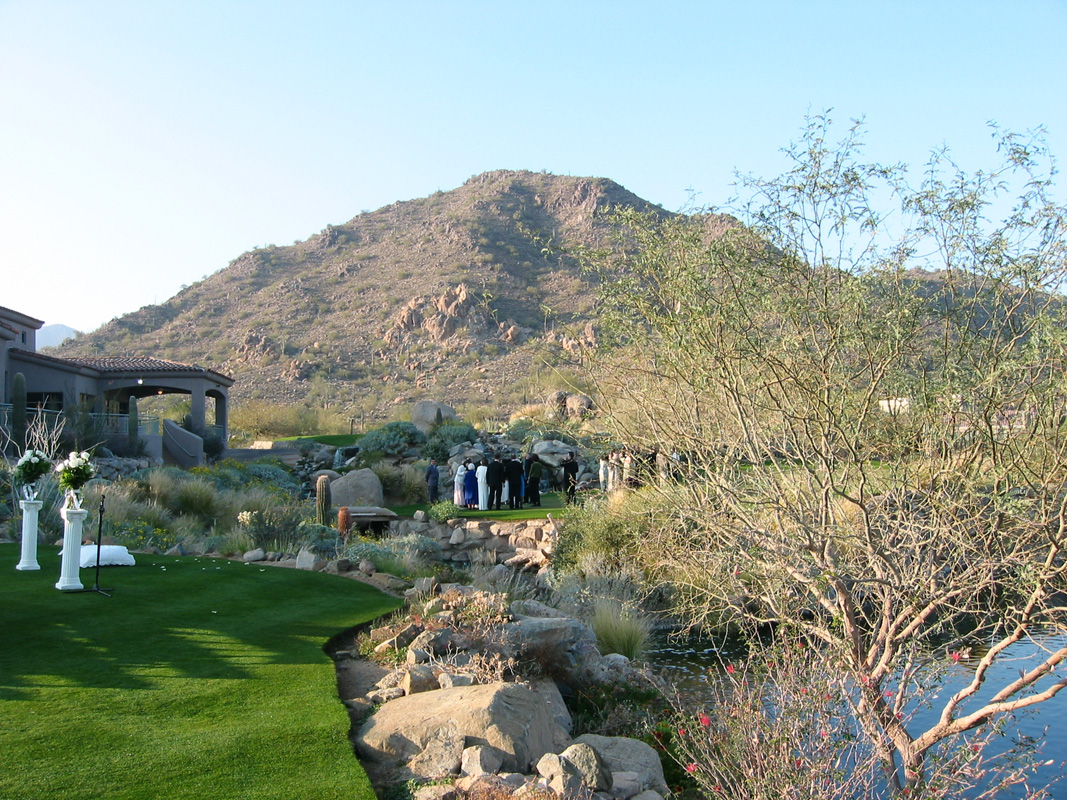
x=692, y=665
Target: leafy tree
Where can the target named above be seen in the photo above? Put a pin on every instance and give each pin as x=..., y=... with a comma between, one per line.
x=866, y=410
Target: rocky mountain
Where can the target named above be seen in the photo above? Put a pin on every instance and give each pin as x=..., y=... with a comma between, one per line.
x=461, y=296
x=54, y=335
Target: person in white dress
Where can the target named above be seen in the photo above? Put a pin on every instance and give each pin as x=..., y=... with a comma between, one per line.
x=457, y=485
x=483, y=485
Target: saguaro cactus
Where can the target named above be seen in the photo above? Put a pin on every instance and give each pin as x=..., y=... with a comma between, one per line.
x=133, y=427
x=18, y=411
x=344, y=521
x=323, y=500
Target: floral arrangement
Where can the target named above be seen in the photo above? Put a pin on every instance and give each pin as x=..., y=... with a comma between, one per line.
x=75, y=472
x=33, y=466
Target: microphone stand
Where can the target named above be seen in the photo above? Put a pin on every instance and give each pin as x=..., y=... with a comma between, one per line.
x=99, y=535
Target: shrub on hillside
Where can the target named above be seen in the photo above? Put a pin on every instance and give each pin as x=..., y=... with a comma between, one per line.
x=405, y=556
x=403, y=485
x=620, y=629
x=319, y=539
x=394, y=439
x=444, y=437
x=609, y=528
x=274, y=528
x=233, y=475
x=444, y=511
x=199, y=499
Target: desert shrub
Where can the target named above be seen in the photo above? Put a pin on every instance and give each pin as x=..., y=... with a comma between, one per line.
x=620, y=629
x=198, y=499
x=319, y=539
x=393, y=438
x=444, y=437
x=444, y=511
x=481, y=573
x=234, y=475
x=161, y=484
x=608, y=527
x=423, y=548
x=404, y=484
x=137, y=534
x=274, y=528
x=577, y=592
x=213, y=447
x=407, y=555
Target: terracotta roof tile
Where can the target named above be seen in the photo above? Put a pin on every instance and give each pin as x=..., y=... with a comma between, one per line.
x=127, y=364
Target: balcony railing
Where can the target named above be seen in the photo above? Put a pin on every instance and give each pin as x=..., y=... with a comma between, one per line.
x=106, y=424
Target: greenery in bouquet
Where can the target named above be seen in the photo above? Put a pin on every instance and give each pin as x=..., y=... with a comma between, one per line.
x=75, y=472
x=33, y=466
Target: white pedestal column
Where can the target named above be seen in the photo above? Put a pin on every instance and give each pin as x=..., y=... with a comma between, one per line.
x=31, y=509
x=73, y=519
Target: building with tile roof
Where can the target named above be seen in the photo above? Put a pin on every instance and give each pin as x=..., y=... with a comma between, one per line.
x=105, y=385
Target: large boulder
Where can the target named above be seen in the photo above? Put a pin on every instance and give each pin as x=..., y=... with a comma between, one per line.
x=508, y=716
x=562, y=642
x=629, y=755
x=424, y=415
x=579, y=406
x=360, y=487
x=553, y=452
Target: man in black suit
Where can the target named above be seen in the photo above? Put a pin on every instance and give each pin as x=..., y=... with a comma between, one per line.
x=570, y=477
x=494, y=477
x=514, y=472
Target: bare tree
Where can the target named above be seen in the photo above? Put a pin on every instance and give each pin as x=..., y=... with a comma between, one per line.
x=867, y=412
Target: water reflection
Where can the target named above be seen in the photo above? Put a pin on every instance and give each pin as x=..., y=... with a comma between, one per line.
x=694, y=666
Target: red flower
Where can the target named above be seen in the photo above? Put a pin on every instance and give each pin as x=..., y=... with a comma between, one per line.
x=730, y=668
x=705, y=720
x=681, y=731
x=690, y=767
x=956, y=656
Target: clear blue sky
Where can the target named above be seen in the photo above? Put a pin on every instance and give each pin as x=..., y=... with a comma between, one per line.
x=145, y=144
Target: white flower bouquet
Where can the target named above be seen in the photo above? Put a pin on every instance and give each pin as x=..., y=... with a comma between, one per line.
x=33, y=466
x=75, y=472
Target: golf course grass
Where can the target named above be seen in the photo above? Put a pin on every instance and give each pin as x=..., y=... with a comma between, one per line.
x=199, y=678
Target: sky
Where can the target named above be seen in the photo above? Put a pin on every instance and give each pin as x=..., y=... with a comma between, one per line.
x=146, y=144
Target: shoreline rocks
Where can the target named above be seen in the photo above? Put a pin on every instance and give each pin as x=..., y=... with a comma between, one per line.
x=457, y=709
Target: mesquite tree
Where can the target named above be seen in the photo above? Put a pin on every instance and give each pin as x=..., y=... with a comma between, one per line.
x=866, y=414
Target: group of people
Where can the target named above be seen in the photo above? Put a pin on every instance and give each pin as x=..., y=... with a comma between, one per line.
x=494, y=484
x=621, y=468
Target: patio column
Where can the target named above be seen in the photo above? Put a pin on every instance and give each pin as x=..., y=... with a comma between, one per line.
x=73, y=519
x=197, y=411
x=31, y=509
x=221, y=418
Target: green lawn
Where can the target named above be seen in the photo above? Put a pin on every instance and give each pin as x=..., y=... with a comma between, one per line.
x=550, y=502
x=199, y=678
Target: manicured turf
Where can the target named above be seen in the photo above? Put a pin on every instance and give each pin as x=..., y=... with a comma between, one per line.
x=199, y=678
x=550, y=502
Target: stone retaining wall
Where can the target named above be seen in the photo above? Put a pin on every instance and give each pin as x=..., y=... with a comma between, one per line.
x=462, y=540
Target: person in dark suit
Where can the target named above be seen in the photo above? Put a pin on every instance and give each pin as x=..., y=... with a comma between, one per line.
x=495, y=478
x=533, y=481
x=514, y=473
x=433, y=481
x=570, y=477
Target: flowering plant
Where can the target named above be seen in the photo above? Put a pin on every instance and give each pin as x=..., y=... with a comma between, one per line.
x=33, y=466
x=75, y=472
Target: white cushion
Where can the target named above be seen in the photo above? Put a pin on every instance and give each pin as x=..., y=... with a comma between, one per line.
x=111, y=555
